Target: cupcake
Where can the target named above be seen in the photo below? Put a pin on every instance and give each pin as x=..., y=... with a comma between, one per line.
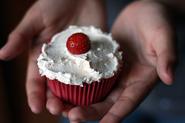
x=81, y=65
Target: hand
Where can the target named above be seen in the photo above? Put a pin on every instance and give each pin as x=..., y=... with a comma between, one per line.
x=146, y=38
x=44, y=19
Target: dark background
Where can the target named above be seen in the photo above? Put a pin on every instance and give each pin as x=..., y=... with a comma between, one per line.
x=164, y=101
x=13, y=103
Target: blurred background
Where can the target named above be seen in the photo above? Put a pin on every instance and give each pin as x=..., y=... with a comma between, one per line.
x=13, y=102
x=166, y=104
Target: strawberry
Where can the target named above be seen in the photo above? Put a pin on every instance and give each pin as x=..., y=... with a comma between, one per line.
x=78, y=43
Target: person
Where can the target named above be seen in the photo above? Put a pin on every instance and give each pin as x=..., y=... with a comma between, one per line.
x=143, y=31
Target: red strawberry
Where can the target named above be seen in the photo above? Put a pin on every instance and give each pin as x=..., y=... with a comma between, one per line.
x=78, y=43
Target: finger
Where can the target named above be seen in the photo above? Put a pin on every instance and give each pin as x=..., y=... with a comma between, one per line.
x=46, y=34
x=54, y=105
x=165, y=64
x=35, y=84
x=19, y=39
x=139, y=82
x=164, y=49
x=93, y=112
x=66, y=109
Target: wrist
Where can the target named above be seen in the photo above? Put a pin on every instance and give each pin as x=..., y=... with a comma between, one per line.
x=142, y=11
x=142, y=5
x=164, y=7
x=150, y=5
x=93, y=1
x=95, y=10
x=175, y=5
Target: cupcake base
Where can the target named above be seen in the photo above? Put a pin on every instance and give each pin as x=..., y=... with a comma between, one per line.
x=83, y=96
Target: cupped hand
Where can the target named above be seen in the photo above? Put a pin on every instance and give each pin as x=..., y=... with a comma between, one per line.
x=146, y=37
x=44, y=19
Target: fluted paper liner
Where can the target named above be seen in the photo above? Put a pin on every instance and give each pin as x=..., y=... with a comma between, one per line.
x=83, y=96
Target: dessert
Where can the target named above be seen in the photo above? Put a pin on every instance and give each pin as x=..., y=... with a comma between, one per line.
x=81, y=64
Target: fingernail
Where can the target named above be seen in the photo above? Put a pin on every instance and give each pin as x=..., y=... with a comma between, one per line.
x=53, y=111
x=35, y=110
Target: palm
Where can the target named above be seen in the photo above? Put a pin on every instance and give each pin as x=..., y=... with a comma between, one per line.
x=44, y=19
x=147, y=50
x=55, y=19
x=58, y=14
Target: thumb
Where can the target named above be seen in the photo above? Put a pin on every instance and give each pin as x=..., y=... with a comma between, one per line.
x=19, y=39
x=165, y=64
x=165, y=58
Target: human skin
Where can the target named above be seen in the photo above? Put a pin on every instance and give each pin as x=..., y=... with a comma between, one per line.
x=143, y=31
x=146, y=37
x=44, y=19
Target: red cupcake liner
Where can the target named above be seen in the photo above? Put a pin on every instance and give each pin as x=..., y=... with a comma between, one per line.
x=83, y=96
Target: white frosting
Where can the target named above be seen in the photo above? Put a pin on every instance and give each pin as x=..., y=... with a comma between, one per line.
x=101, y=61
